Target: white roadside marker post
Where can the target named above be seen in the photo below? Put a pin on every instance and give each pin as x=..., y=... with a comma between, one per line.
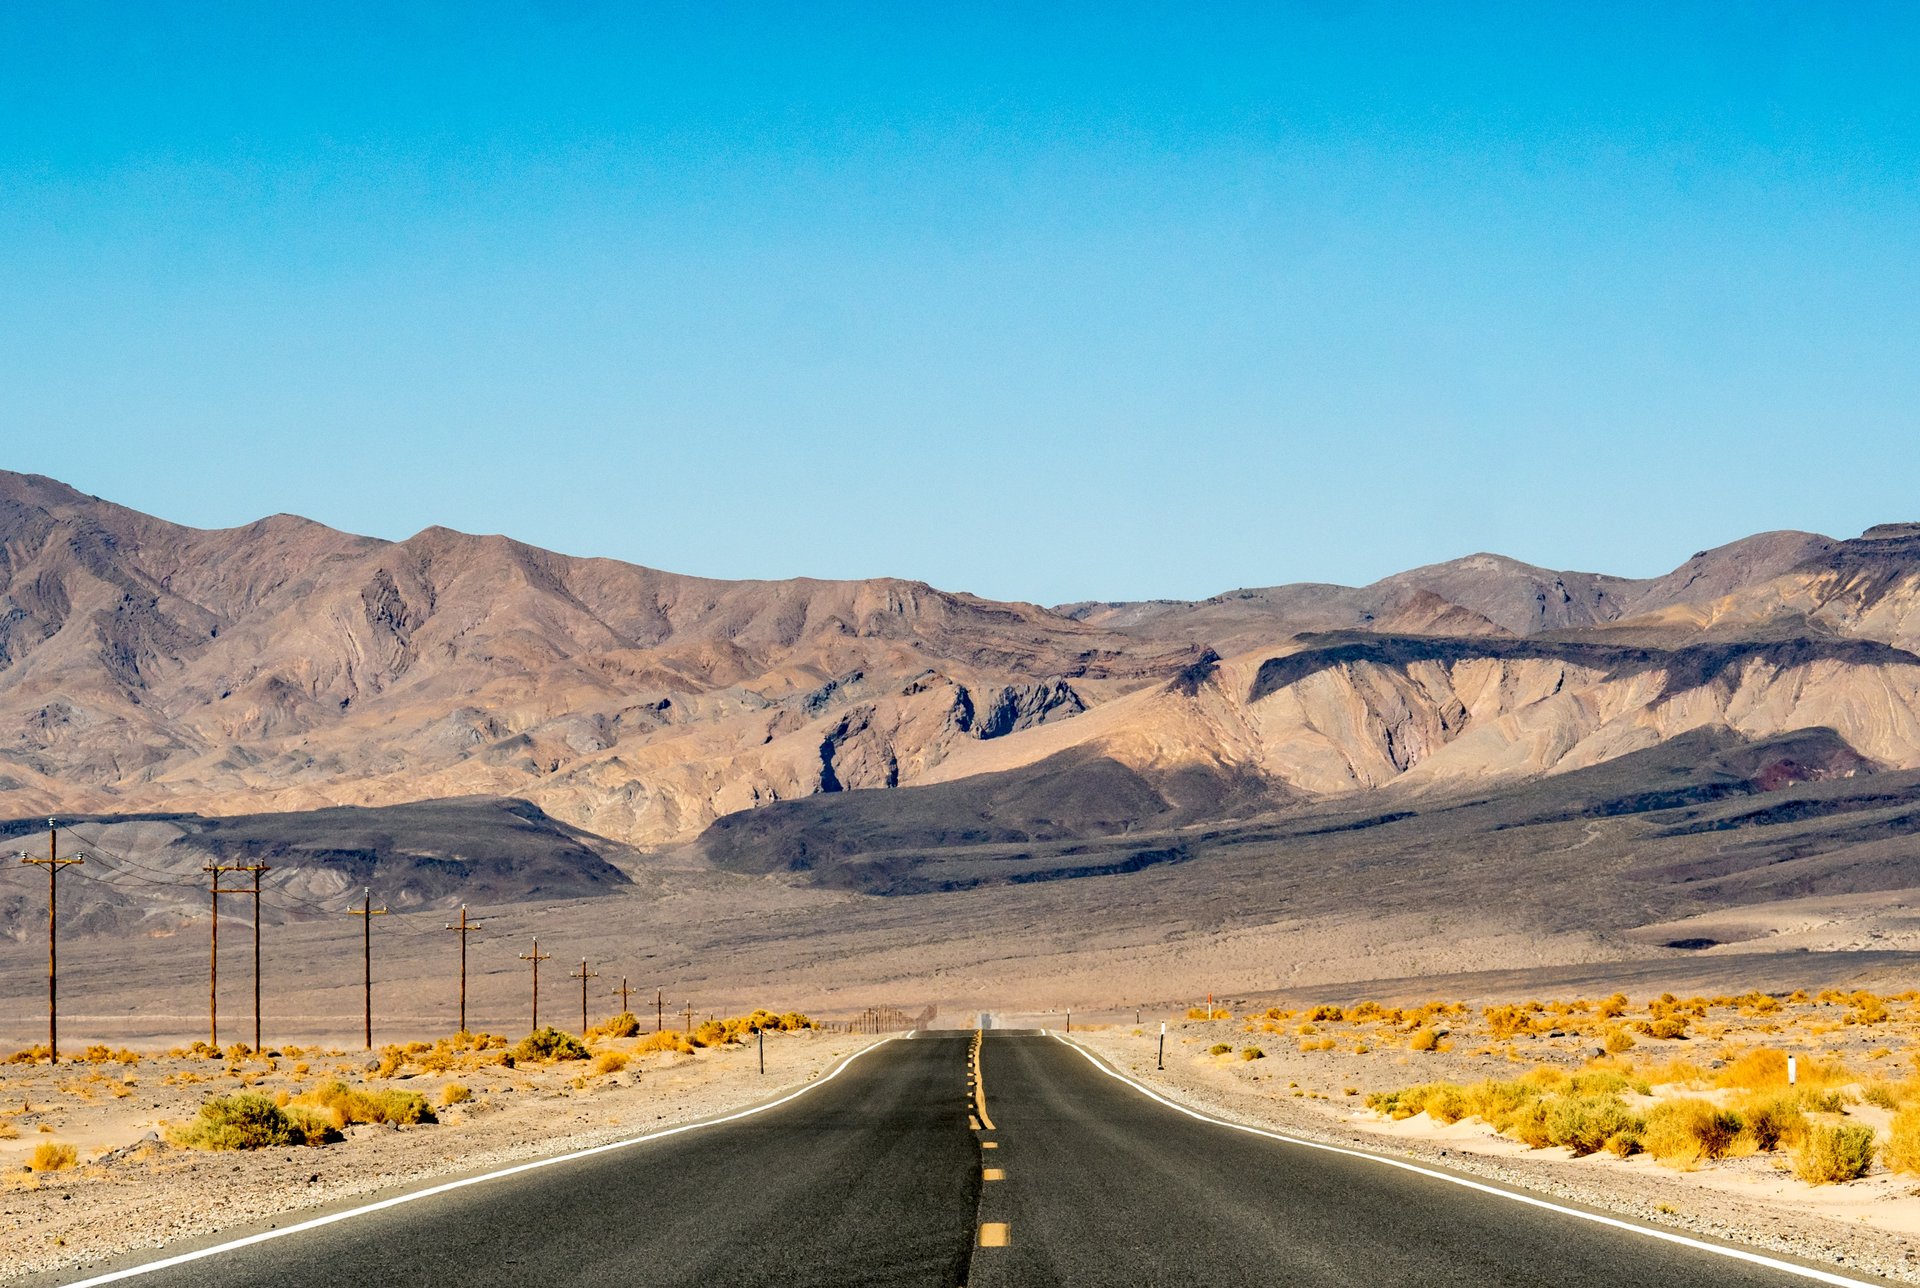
x=1793, y=1070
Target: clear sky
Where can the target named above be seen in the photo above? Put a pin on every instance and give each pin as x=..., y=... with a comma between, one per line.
x=1038, y=301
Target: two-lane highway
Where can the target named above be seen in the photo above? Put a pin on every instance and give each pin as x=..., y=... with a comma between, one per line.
x=949, y=1159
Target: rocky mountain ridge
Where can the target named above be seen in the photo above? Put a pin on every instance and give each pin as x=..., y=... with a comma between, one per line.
x=283, y=666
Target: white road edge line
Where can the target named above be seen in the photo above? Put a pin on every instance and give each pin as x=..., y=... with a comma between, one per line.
x=447, y=1186
x=1651, y=1232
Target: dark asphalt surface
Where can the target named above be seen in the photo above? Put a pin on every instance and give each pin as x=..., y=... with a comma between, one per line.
x=876, y=1178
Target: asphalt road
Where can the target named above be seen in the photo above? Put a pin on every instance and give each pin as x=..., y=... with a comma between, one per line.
x=889, y=1175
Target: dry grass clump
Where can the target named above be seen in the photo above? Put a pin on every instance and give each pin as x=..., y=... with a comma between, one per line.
x=1206, y=1013
x=610, y=1062
x=345, y=1105
x=1508, y=1021
x=53, y=1156
x=1424, y=1040
x=455, y=1093
x=1220, y=1048
x=101, y=1054
x=249, y=1121
x=1826, y=1155
x=1252, y=1053
x=668, y=1040
x=29, y=1055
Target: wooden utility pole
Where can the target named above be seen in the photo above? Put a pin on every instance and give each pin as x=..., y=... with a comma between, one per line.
x=256, y=869
x=659, y=1009
x=465, y=928
x=536, y=957
x=213, y=947
x=583, y=975
x=368, y=911
x=53, y=863
x=689, y=1019
x=623, y=990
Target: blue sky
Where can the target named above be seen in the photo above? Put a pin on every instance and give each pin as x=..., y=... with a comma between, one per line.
x=1106, y=302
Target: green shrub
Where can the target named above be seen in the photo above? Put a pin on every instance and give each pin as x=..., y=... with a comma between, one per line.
x=1586, y=1124
x=1828, y=1154
x=249, y=1121
x=549, y=1044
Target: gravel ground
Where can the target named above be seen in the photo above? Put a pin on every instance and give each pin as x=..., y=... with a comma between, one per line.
x=144, y=1193
x=1282, y=1097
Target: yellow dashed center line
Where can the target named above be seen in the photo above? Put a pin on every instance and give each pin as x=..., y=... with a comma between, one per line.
x=989, y=1144
x=994, y=1174
x=980, y=1087
x=994, y=1234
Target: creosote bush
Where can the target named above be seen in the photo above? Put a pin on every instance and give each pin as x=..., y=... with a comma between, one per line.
x=1220, y=1048
x=549, y=1044
x=1252, y=1053
x=455, y=1093
x=610, y=1062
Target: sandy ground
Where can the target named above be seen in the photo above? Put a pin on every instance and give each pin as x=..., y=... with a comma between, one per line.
x=1871, y=1224
x=131, y=1189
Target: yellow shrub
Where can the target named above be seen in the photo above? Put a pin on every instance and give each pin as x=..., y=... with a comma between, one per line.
x=52, y=1156
x=1684, y=1133
x=1508, y=1021
x=1771, y=1118
x=1901, y=1153
x=455, y=1093
x=1829, y=1154
x=623, y=1025
x=1424, y=1040
x=609, y=1062
x=1618, y=1040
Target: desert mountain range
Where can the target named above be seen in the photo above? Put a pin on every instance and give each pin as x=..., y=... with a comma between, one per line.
x=146, y=666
